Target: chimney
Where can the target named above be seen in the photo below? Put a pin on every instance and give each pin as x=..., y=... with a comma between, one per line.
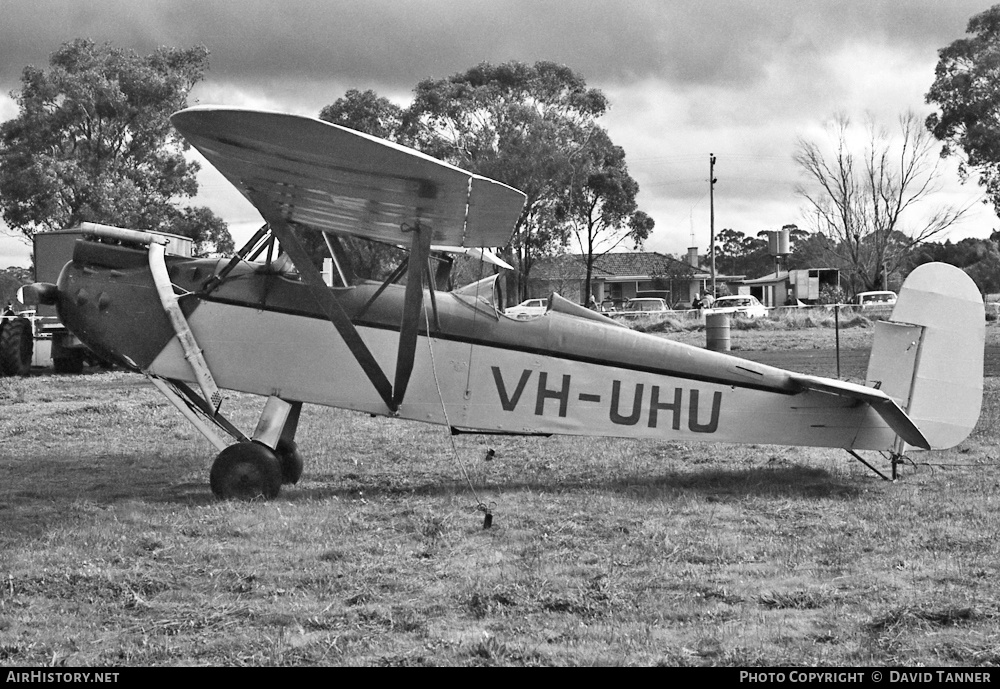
x=693, y=256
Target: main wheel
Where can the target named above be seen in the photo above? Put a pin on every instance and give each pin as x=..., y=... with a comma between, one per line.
x=290, y=460
x=16, y=344
x=245, y=471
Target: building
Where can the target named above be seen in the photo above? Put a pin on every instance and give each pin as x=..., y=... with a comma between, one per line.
x=618, y=277
x=791, y=287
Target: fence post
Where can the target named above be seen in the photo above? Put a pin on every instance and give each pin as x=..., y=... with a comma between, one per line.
x=836, y=327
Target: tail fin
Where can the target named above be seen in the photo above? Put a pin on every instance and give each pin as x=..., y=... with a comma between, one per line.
x=929, y=356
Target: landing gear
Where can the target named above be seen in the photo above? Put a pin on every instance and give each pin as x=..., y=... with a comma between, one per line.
x=246, y=470
x=255, y=466
x=896, y=457
x=250, y=469
x=290, y=460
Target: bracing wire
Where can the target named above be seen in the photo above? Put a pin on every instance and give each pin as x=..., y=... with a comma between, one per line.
x=480, y=505
x=475, y=314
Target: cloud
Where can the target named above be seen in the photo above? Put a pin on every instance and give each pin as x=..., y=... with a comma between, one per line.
x=398, y=43
x=738, y=78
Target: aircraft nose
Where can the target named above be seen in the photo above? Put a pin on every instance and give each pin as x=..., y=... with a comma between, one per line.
x=113, y=310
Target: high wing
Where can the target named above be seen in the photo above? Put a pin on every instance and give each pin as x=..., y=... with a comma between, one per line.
x=326, y=177
x=304, y=173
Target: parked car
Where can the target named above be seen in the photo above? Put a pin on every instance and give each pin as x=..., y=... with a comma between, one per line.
x=642, y=306
x=877, y=298
x=528, y=309
x=743, y=305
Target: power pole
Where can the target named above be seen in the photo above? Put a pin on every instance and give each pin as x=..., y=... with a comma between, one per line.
x=711, y=212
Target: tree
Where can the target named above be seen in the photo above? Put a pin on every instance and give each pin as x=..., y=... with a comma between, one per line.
x=524, y=125
x=744, y=255
x=367, y=112
x=812, y=250
x=865, y=202
x=729, y=247
x=92, y=141
x=208, y=231
x=599, y=204
x=967, y=89
x=980, y=258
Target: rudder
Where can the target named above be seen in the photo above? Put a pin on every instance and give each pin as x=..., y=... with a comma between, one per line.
x=929, y=356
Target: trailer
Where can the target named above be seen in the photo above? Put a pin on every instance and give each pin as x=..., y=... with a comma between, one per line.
x=807, y=284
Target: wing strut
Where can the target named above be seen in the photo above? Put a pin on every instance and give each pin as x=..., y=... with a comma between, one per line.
x=333, y=311
x=409, y=326
x=254, y=245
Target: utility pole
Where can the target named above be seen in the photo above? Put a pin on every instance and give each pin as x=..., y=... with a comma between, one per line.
x=711, y=212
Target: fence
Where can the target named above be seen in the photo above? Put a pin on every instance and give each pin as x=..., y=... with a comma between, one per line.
x=787, y=316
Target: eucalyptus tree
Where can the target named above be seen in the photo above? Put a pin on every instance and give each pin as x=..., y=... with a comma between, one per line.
x=92, y=141
x=966, y=88
x=599, y=204
x=525, y=125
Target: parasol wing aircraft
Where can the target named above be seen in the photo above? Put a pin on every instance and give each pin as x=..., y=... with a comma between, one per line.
x=268, y=322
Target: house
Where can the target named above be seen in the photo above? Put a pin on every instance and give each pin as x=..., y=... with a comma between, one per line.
x=771, y=290
x=618, y=277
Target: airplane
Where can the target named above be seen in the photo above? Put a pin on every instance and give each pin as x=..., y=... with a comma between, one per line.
x=267, y=322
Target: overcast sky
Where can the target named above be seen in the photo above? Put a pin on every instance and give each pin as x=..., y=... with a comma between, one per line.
x=742, y=79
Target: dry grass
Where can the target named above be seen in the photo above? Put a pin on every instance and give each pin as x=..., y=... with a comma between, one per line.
x=783, y=319
x=602, y=552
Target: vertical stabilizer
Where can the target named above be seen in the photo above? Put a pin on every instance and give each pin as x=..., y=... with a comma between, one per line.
x=929, y=356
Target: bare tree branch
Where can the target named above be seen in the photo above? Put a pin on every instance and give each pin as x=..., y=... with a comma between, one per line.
x=867, y=202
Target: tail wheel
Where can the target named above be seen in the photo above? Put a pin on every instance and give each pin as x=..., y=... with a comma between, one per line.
x=16, y=344
x=245, y=471
x=291, y=461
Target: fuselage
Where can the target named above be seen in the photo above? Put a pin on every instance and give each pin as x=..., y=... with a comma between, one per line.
x=475, y=369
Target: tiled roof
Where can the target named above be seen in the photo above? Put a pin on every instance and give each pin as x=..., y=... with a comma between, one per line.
x=637, y=263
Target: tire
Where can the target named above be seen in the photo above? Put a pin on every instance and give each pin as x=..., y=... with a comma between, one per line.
x=290, y=460
x=246, y=471
x=16, y=345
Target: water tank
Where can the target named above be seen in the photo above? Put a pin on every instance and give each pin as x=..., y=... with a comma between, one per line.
x=777, y=242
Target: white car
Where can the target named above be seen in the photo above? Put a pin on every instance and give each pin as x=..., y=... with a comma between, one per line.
x=743, y=305
x=643, y=306
x=877, y=298
x=528, y=309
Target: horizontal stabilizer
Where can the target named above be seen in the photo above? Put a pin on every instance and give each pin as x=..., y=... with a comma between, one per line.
x=885, y=406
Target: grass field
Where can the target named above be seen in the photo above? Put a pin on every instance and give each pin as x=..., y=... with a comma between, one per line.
x=114, y=552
